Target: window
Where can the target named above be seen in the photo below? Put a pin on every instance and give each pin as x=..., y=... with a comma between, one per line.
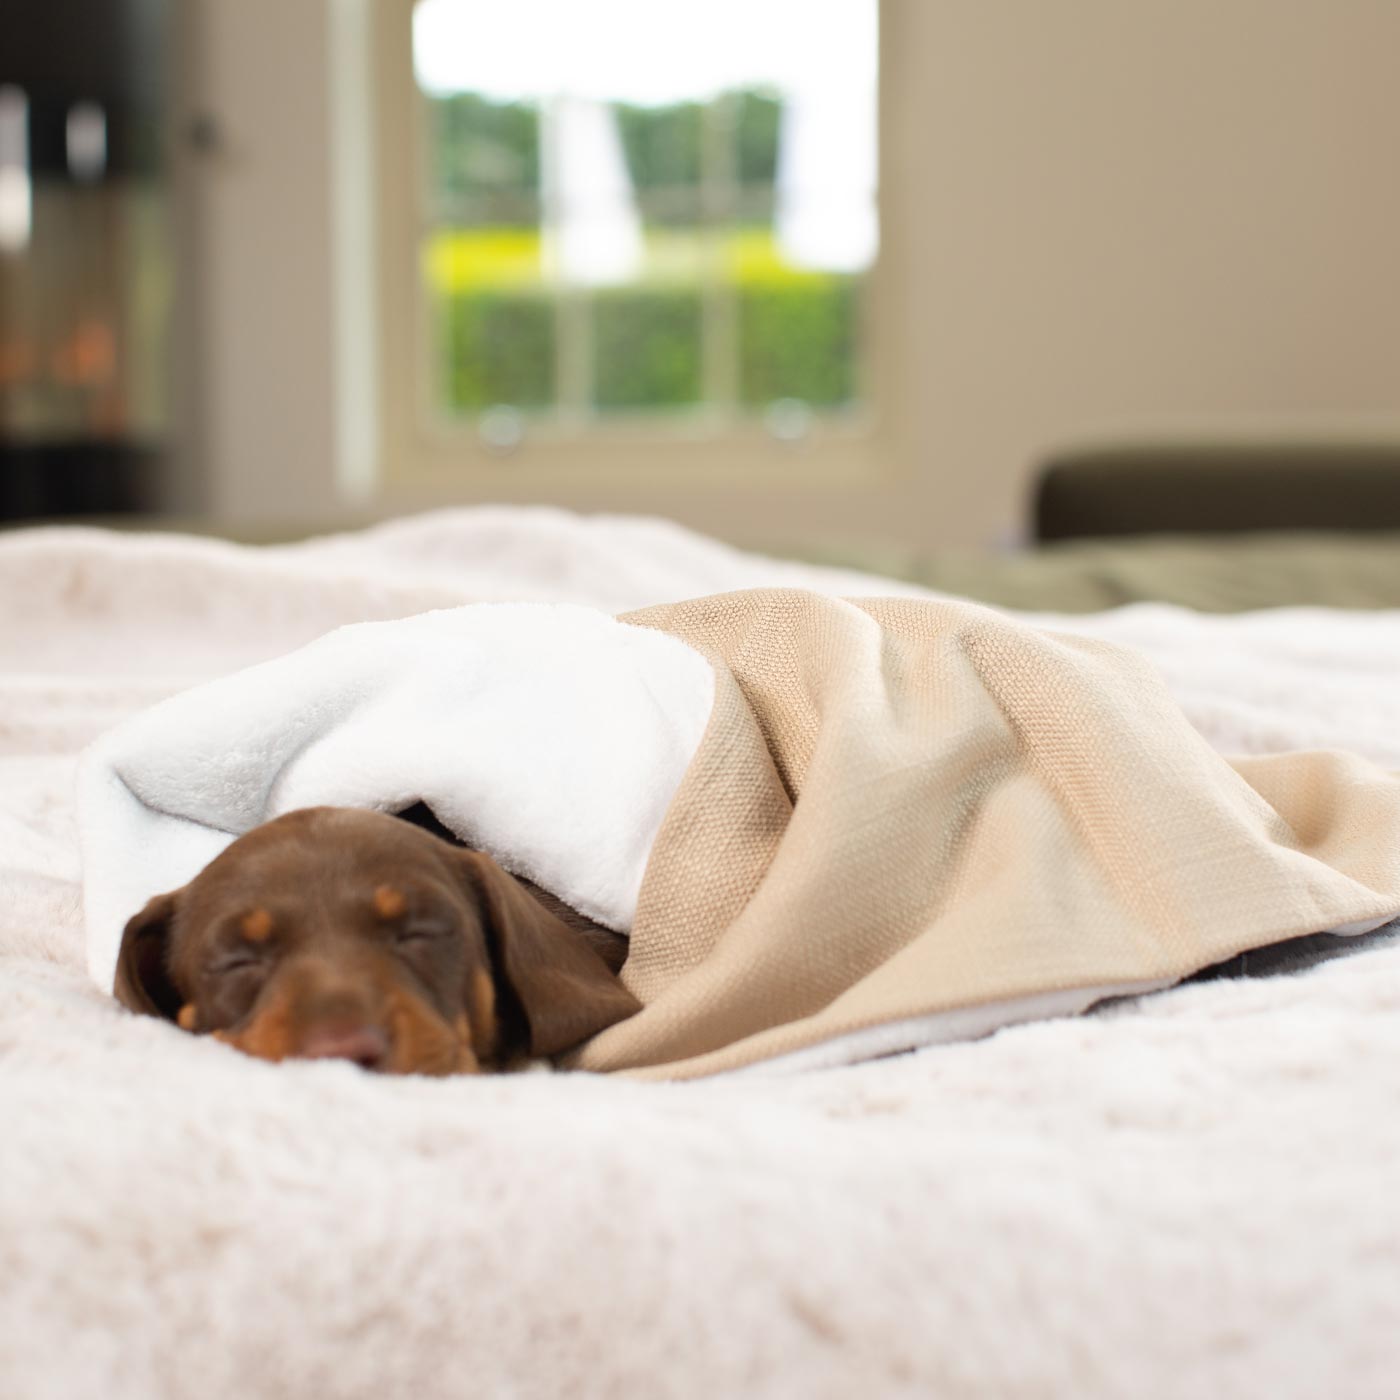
x=628, y=221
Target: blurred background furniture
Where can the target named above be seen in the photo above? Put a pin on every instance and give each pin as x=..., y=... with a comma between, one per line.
x=86, y=279
x=1217, y=488
x=1218, y=527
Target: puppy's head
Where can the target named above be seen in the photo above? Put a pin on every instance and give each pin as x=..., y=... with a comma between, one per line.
x=337, y=933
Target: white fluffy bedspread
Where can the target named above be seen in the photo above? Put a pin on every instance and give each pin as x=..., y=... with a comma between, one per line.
x=1190, y=1194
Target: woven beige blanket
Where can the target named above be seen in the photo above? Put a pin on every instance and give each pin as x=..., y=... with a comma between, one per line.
x=909, y=813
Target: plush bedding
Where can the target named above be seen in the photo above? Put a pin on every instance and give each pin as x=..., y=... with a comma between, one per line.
x=1180, y=1194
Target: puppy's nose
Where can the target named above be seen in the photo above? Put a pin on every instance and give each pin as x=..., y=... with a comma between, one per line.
x=366, y=1046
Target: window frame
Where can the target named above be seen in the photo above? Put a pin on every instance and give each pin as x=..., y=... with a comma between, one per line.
x=420, y=450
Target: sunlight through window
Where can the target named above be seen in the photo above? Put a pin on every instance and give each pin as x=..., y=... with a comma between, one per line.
x=639, y=209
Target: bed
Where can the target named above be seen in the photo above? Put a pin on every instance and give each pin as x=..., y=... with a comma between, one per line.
x=1186, y=1193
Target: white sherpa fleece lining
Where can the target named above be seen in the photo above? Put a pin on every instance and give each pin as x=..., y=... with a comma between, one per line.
x=551, y=736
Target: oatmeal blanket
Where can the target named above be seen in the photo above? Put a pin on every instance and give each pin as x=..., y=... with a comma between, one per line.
x=833, y=828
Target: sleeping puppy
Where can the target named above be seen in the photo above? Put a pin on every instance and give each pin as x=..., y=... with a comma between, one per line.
x=334, y=933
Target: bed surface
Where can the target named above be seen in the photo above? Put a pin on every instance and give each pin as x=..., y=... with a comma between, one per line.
x=1182, y=1195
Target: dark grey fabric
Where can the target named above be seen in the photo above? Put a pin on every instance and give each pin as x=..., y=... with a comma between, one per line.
x=1300, y=954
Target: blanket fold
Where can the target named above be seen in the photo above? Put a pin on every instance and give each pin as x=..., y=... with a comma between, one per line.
x=910, y=821
x=834, y=828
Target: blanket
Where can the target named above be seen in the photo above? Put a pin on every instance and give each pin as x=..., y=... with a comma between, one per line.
x=551, y=737
x=1184, y=1194
x=926, y=820
x=816, y=818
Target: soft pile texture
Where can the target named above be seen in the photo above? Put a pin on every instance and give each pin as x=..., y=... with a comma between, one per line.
x=1185, y=1194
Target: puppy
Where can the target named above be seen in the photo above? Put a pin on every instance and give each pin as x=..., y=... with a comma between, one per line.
x=345, y=934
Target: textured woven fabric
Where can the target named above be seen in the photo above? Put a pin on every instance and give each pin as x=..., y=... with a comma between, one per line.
x=902, y=808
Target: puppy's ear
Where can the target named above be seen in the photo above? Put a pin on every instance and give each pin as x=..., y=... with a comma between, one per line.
x=565, y=990
x=143, y=982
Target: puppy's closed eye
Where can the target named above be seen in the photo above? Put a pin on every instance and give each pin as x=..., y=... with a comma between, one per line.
x=233, y=981
x=238, y=960
x=422, y=932
x=412, y=919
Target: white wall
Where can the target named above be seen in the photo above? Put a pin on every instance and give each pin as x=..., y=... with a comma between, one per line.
x=260, y=215
x=1177, y=216
x=1106, y=220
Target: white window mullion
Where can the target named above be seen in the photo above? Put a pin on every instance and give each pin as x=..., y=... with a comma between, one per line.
x=573, y=329
x=719, y=189
x=573, y=354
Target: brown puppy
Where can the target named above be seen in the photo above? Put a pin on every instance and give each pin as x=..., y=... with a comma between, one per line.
x=338, y=933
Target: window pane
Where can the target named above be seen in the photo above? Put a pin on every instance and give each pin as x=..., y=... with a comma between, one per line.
x=661, y=144
x=798, y=332
x=684, y=220
x=484, y=161
x=493, y=319
x=648, y=348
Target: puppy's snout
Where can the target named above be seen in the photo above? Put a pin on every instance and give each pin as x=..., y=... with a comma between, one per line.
x=366, y=1046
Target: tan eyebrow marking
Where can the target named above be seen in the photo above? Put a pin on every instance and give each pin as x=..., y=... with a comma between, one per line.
x=389, y=903
x=189, y=1014
x=256, y=925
